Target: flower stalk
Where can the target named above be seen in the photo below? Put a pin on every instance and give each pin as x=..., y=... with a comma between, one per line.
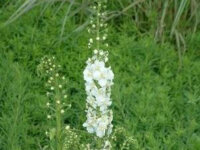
x=98, y=25
x=98, y=78
x=58, y=125
x=56, y=93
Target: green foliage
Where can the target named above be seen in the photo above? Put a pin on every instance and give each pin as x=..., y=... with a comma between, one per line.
x=72, y=140
x=19, y=106
x=122, y=140
x=155, y=102
x=168, y=20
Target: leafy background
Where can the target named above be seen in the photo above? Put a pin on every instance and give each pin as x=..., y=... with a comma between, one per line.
x=156, y=95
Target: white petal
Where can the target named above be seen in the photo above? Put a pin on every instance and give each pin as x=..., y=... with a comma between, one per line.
x=102, y=82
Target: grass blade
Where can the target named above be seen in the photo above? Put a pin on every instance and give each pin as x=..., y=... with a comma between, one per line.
x=178, y=15
x=65, y=18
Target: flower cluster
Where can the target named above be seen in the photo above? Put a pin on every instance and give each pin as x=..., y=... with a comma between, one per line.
x=98, y=28
x=121, y=139
x=56, y=92
x=72, y=140
x=107, y=145
x=56, y=85
x=99, y=80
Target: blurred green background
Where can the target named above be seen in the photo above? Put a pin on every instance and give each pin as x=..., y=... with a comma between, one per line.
x=154, y=53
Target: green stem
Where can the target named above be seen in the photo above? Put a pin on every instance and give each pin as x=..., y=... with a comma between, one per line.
x=100, y=143
x=98, y=26
x=58, y=126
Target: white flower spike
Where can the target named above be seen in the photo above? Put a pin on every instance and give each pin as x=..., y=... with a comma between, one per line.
x=99, y=80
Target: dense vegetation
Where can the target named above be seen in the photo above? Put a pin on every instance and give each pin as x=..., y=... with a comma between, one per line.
x=156, y=92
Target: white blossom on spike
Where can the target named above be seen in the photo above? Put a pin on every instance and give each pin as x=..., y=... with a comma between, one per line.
x=99, y=80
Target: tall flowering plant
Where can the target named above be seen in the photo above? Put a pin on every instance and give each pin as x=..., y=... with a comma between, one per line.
x=56, y=93
x=98, y=78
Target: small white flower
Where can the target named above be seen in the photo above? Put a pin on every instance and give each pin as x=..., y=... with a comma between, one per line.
x=52, y=88
x=95, y=51
x=97, y=38
x=88, y=74
x=67, y=127
x=48, y=104
x=58, y=102
x=65, y=96
x=107, y=145
x=91, y=40
x=62, y=111
x=46, y=133
x=106, y=59
x=49, y=116
x=48, y=93
x=57, y=75
x=60, y=86
x=101, y=53
x=101, y=128
x=96, y=74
